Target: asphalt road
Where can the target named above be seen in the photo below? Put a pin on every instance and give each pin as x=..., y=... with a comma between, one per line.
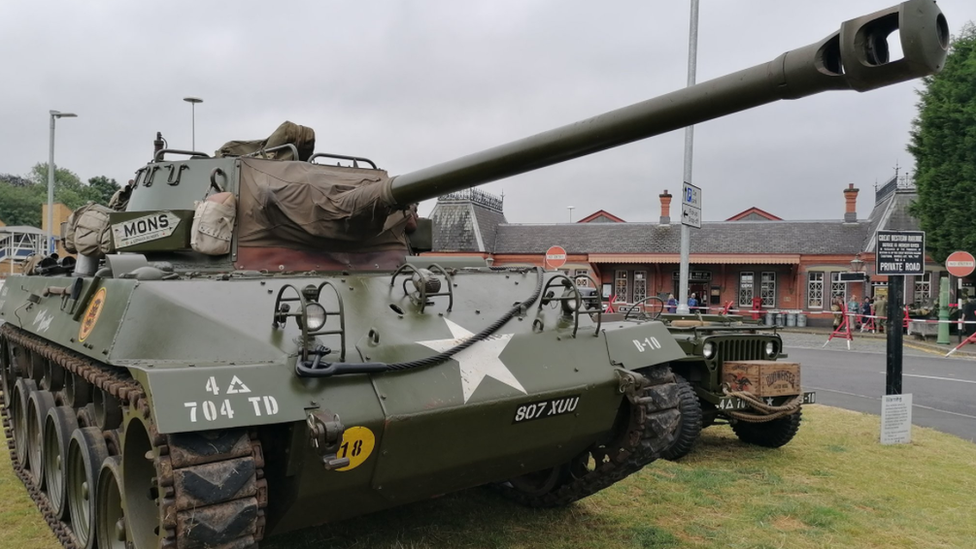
x=943, y=389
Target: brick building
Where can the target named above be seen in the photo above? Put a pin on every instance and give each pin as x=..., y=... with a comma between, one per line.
x=789, y=264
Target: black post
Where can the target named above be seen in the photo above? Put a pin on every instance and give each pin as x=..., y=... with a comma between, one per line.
x=896, y=310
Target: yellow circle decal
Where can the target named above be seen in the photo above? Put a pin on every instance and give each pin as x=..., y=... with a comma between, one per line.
x=91, y=314
x=357, y=445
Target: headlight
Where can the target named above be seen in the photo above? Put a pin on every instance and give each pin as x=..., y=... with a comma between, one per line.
x=315, y=314
x=709, y=349
x=770, y=349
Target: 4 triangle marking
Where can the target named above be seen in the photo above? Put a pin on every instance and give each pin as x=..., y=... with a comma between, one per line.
x=237, y=387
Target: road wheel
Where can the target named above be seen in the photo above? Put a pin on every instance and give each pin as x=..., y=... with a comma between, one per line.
x=86, y=453
x=140, y=488
x=18, y=411
x=771, y=434
x=60, y=424
x=110, y=526
x=38, y=405
x=690, y=424
x=76, y=391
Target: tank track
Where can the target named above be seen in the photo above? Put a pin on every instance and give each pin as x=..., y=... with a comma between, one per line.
x=647, y=431
x=210, y=486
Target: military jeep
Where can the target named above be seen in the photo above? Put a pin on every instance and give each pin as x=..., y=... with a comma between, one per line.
x=732, y=374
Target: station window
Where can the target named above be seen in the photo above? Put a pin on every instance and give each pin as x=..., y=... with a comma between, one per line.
x=581, y=276
x=815, y=290
x=746, y=288
x=923, y=287
x=767, y=289
x=620, y=286
x=640, y=286
x=837, y=288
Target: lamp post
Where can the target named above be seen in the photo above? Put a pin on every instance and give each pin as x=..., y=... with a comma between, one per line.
x=570, y=208
x=857, y=265
x=50, y=179
x=685, y=250
x=193, y=120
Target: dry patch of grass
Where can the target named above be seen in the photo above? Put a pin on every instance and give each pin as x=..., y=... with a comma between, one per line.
x=833, y=486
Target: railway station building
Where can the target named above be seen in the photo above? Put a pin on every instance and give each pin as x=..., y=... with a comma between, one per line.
x=790, y=265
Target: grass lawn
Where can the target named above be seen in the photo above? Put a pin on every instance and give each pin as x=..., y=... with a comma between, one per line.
x=833, y=486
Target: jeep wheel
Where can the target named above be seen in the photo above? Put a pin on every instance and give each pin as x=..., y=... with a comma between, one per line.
x=771, y=434
x=690, y=424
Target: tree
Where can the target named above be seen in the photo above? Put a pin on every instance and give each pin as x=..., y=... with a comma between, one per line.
x=68, y=188
x=15, y=180
x=21, y=198
x=104, y=186
x=19, y=205
x=943, y=142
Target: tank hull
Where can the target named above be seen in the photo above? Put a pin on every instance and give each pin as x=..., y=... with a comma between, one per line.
x=524, y=400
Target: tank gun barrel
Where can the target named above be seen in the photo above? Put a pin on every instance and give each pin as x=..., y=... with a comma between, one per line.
x=855, y=57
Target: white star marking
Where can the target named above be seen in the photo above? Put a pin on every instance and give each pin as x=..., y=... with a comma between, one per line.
x=477, y=361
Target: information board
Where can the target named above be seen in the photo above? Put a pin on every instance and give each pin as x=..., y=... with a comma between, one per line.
x=896, y=419
x=900, y=253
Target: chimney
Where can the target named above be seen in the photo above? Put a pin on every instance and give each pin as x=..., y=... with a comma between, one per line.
x=665, y=208
x=850, y=196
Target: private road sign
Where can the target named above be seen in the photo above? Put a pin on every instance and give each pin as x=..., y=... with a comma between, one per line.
x=900, y=253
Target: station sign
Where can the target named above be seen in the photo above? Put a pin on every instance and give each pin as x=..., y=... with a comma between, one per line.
x=693, y=276
x=852, y=277
x=900, y=253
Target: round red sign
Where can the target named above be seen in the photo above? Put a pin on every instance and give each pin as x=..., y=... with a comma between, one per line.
x=555, y=257
x=960, y=264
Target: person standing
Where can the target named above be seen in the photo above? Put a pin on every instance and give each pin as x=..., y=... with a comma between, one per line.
x=672, y=304
x=866, y=322
x=853, y=308
x=881, y=310
x=692, y=302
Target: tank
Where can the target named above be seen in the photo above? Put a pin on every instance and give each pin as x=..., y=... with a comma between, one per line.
x=248, y=346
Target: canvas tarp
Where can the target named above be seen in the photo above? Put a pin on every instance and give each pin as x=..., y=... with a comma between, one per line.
x=302, y=137
x=315, y=207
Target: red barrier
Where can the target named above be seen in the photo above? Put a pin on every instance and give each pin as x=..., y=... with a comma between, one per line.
x=844, y=329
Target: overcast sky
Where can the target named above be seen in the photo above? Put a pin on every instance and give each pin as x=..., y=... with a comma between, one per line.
x=411, y=84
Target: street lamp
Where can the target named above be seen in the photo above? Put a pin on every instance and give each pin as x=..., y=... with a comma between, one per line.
x=570, y=208
x=857, y=263
x=193, y=120
x=50, y=179
x=685, y=249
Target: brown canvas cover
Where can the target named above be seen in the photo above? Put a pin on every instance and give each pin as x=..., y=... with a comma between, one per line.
x=302, y=137
x=306, y=206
